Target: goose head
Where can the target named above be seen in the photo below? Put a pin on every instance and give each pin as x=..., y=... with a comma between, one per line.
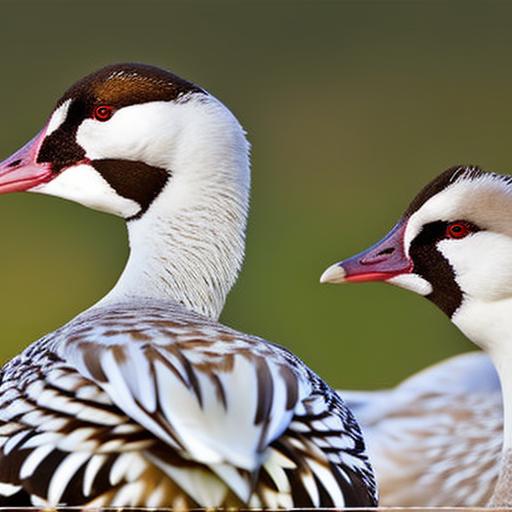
x=452, y=245
x=141, y=143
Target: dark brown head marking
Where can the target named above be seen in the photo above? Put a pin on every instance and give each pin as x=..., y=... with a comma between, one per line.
x=118, y=85
x=430, y=264
x=440, y=183
x=60, y=147
x=133, y=180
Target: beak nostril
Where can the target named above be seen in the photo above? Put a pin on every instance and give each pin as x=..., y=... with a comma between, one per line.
x=14, y=163
x=389, y=250
x=372, y=259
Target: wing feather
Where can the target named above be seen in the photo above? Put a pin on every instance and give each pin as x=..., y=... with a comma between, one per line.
x=259, y=398
x=120, y=410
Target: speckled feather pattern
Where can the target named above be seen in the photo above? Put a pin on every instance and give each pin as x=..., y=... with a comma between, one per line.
x=446, y=452
x=147, y=404
x=436, y=439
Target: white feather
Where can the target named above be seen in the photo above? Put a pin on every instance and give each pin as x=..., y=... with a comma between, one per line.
x=329, y=482
x=205, y=488
x=58, y=117
x=120, y=467
x=13, y=441
x=93, y=466
x=129, y=495
x=63, y=475
x=8, y=489
x=34, y=459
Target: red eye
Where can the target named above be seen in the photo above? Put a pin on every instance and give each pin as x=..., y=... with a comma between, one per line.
x=459, y=229
x=103, y=112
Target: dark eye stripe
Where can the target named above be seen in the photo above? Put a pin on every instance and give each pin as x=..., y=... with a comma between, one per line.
x=60, y=147
x=133, y=180
x=430, y=264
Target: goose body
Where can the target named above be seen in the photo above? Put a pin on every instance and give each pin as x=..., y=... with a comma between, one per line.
x=453, y=245
x=435, y=440
x=148, y=404
x=145, y=399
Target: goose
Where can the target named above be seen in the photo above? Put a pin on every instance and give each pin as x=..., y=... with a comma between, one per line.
x=453, y=245
x=145, y=399
x=435, y=439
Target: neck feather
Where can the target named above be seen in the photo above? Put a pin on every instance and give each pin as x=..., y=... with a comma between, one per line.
x=189, y=245
x=489, y=325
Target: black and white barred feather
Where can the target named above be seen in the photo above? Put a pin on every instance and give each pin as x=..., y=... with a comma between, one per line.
x=151, y=405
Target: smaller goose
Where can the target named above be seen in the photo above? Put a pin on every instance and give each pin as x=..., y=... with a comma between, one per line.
x=453, y=245
x=145, y=400
x=435, y=440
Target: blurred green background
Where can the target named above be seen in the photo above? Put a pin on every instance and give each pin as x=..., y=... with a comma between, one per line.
x=350, y=106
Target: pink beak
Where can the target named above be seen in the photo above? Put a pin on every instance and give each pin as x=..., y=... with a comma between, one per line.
x=21, y=171
x=382, y=261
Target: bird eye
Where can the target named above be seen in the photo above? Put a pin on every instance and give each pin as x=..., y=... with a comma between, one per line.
x=103, y=112
x=459, y=229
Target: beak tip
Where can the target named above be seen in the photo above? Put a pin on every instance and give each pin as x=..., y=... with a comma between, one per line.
x=334, y=274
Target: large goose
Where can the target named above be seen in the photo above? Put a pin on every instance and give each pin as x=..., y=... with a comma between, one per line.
x=453, y=245
x=145, y=399
x=435, y=439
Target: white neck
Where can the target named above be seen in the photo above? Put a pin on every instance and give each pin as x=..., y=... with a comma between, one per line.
x=189, y=245
x=489, y=325
x=503, y=365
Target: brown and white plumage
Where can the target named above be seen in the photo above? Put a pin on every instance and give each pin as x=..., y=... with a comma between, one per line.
x=147, y=404
x=145, y=400
x=435, y=440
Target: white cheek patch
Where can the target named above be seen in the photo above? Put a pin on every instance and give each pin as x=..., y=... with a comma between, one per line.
x=84, y=185
x=481, y=264
x=412, y=282
x=144, y=132
x=58, y=117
